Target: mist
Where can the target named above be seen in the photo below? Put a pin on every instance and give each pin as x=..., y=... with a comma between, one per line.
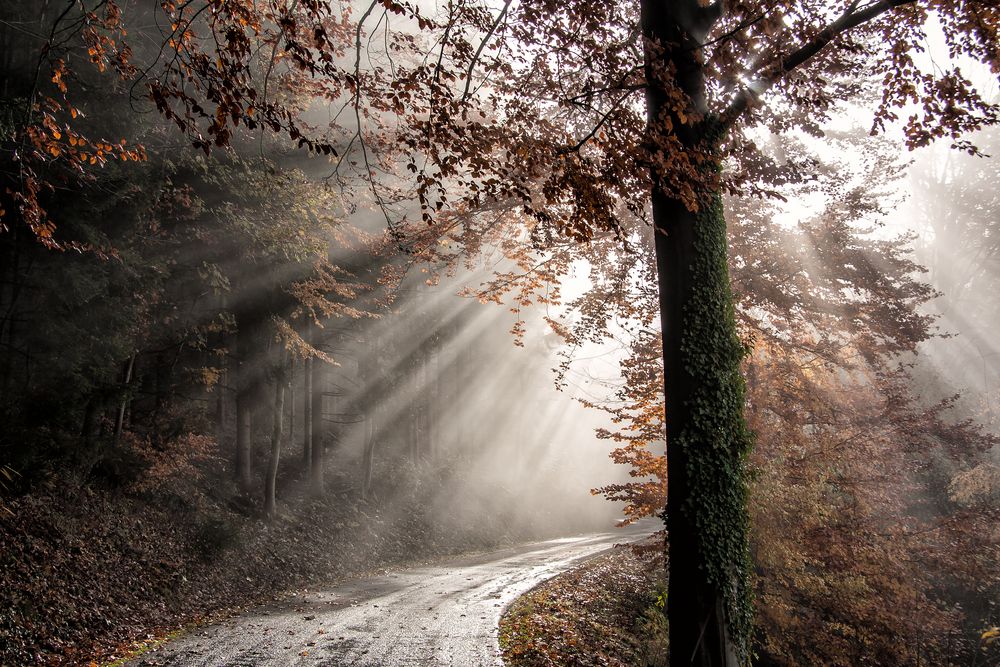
x=952, y=206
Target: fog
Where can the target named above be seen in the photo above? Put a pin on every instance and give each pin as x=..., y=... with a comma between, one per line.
x=952, y=205
x=443, y=397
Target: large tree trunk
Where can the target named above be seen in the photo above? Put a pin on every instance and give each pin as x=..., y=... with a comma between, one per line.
x=277, y=431
x=706, y=437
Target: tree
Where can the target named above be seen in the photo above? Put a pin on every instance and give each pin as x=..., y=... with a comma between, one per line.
x=537, y=107
x=584, y=158
x=852, y=496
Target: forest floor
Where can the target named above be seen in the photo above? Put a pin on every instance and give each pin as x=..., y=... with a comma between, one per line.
x=603, y=612
x=87, y=574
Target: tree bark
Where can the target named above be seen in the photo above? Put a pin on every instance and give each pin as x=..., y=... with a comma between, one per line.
x=290, y=401
x=316, y=481
x=307, y=425
x=124, y=400
x=699, y=628
x=245, y=395
x=277, y=431
x=221, y=414
x=697, y=624
x=368, y=459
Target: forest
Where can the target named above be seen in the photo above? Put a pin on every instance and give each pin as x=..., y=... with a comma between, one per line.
x=369, y=298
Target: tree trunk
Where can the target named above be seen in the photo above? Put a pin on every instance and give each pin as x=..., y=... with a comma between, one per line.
x=316, y=482
x=220, y=408
x=8, y=313
x=307, y=426
x=244, y=436
x=222, y=342
x=245, y=394
x=277, y=431
x=369, y=368
x=707, y=440
x=123, y=401
x=162, y=381
x=368, y=459
x=290, y=401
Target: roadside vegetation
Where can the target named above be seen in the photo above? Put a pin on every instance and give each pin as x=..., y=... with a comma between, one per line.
x=609, y=611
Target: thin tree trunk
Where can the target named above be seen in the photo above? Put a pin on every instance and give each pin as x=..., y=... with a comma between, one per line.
x=413, y=409
x=123, y=402
x=245, y=395
x=369, y=368
x=307, y=417
x=368, y=459
x=223, y=343
x=8, y=313
x=316, y=481
x=244, y=435
x=290, y=401
x=221, y=415
x=161, y=384
x=277, y=431
x=433, y=400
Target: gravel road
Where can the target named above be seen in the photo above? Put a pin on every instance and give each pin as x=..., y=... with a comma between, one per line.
x=446, y=614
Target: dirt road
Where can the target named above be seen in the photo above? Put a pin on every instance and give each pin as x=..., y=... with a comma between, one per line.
x=441, y=615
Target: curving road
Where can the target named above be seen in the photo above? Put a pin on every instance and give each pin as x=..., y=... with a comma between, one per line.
x=441, y=615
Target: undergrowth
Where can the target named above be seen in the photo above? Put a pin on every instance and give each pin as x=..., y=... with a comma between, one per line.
x=608, y=611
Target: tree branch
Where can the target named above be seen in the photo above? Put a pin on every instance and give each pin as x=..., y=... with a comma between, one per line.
x=594, y=130
x=849, y=20
x=482, y=45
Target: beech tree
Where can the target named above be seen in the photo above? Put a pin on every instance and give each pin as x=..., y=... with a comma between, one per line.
x=579, y=117
x=852, y=496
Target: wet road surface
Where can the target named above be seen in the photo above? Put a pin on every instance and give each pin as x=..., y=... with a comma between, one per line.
x=445, y=614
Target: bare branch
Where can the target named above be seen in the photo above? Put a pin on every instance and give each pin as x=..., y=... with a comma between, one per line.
x=482, y=45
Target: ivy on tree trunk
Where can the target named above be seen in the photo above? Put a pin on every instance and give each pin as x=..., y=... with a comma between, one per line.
x=708, y=440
